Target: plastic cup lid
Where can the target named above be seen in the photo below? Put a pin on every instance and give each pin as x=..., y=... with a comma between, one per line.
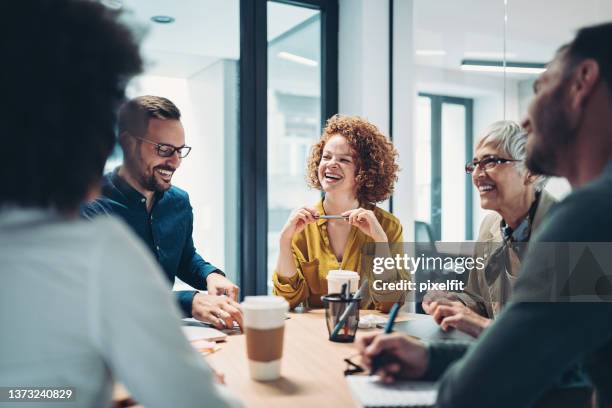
x=265, y=302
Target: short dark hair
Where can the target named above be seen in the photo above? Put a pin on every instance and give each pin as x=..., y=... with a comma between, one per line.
x=593, y=42
x=135, y=114
x=64, y=71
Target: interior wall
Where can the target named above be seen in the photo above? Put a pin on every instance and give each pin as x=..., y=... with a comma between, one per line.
x=363, y=65
x=404, y=106
x=231, y=168
x=363, y=60
x=213, y=95
x=205, y=172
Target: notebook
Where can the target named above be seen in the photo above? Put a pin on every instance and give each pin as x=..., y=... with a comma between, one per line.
x=190, y=321
x=194, y=331
x=368, y=391
x=427, y=329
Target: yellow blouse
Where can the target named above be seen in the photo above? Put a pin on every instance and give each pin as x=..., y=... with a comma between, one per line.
x=314, y=258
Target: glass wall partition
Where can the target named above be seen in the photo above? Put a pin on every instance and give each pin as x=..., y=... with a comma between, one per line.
x=294, y=112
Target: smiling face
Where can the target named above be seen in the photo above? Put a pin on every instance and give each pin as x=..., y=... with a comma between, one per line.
x=502, y=186
x=549, y=125
x=337, y=168
x=153, y=172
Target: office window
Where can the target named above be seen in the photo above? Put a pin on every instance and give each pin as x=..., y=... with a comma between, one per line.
x=443, y=146
x=193, y=61
x=454, y=50
x=294, y=112
x=446, y=34
x=423, y=161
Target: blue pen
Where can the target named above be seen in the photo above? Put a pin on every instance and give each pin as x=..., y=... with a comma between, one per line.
x=392, y=316
x=385, y=358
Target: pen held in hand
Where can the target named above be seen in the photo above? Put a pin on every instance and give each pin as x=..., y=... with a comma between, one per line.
x=385, y=358
x=332, y=217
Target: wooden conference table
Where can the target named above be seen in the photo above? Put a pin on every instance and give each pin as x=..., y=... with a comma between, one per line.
x=312, y=366
x=312, y=369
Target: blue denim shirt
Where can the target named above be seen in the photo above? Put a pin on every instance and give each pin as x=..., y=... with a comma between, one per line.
x=166, y=230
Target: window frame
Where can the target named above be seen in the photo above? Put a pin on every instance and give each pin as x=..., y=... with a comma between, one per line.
x=436, y=156
x=253, y=207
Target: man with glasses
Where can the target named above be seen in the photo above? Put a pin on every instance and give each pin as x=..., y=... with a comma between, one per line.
x=152, y=139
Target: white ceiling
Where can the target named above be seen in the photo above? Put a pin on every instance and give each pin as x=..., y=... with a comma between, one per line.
x=206, y=30
x=203, y=31
x=535, y=29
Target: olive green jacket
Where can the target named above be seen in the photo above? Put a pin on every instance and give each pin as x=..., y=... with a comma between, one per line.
x=489, y=289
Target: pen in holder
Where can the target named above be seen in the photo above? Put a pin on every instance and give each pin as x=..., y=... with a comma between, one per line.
x=341, y=315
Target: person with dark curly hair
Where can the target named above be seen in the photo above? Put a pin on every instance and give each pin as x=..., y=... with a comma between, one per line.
x=354, y=165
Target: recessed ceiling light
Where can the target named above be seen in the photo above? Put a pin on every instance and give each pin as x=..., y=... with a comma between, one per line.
x=112, y=4
x=162, y=19
x=296, y=58
x=513, y=67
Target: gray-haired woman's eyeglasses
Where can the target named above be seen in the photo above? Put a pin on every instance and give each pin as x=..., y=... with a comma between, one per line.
x=486, y=163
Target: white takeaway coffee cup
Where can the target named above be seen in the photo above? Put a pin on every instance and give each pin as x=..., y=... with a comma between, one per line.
x=264, y=323
x=336, y=278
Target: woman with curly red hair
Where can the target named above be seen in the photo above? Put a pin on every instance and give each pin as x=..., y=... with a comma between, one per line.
x=354, y=164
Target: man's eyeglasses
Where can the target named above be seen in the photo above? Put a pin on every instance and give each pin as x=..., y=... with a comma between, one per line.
x=166, y=150
x=486, y=163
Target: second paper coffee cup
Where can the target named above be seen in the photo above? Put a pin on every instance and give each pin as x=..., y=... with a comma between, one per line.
x=264, y=321
x=336, y=278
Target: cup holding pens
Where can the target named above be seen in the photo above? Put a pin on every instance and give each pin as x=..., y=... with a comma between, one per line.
x=341, y=316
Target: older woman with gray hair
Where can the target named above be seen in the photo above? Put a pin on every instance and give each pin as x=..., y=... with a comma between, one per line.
x=519, y=203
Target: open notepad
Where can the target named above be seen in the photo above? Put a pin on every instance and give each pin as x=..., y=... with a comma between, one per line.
x=369, y=391
x=194, y=330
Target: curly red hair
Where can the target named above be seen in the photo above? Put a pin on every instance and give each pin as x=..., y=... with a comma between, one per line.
x=374, y=154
